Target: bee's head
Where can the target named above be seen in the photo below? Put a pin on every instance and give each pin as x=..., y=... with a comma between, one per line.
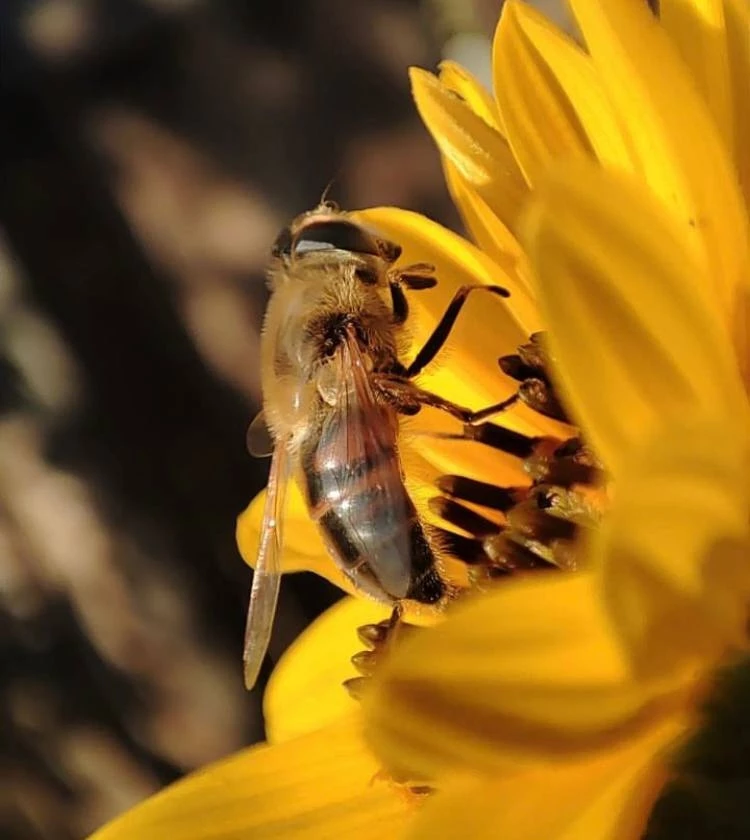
x=324, y=230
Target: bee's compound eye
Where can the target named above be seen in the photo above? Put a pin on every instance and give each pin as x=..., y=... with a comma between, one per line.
x=282, y=247
x=335, y=235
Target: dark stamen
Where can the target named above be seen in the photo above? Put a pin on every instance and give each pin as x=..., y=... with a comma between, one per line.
x=373, y=634
x=462, y=517
x=480, y=492
x=530, y=522
x=465, y=549
x=540, y=396
x=498, y=437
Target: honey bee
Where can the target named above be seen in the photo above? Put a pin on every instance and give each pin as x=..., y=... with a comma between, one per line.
x=334, y=386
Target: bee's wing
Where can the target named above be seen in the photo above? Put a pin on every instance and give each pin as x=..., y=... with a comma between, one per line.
x=360, y=435
x=267, y=578
x=259, y=438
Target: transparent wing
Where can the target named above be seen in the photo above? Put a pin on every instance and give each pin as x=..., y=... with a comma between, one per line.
x=259, y=438
x=267, y=578
x=360, y=472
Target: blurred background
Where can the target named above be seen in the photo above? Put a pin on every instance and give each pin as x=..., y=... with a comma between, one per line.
x=150, y=151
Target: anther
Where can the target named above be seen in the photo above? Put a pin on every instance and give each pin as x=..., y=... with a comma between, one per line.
x=356, y=687
x=365, y=662
x=532, y=523
x=507, y=555
x=540, y=396
x=373, y=635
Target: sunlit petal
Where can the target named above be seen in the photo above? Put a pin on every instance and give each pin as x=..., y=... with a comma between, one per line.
x=317, y=786
x=469, y=88
x=306, y=690
x=486, y=229
x=480, y=154
x=528, y=670
x=675, y=140
x=540, y=122
x=633, y=328
x=602, y=797
x=674, y=549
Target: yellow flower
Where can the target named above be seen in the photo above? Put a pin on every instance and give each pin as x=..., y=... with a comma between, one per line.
x=545, y=708
x=550, y=708
x=562, y=697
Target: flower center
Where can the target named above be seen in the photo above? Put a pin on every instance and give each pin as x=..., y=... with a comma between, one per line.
x=542, y=520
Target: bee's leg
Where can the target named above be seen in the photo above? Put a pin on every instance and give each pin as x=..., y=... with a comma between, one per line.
x=408, y=398
x=400, y=304
x=417, y=276
x=441, y=332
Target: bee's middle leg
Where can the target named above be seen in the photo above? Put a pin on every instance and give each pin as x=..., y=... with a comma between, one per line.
x=408, y=398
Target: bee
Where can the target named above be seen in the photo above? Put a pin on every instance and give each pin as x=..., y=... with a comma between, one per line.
x=334, y=387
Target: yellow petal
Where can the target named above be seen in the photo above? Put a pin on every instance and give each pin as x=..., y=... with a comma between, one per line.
x=531, y=669
x=676, y=142
x=605, y=796
x=540, y=122
x=318, y=786
x=737, y=20
x=632, y=326
x=306, y=690
x=303, y=548
x=469, y=88
x=486, y=229
x=481, y=155
x=674, y=547
x=466, y=370
x=698, y=29
x=576, y=76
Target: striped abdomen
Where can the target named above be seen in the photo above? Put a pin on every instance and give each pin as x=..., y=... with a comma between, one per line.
x=355, y=492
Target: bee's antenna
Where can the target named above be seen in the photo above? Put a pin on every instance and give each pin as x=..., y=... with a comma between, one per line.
x=324, y=200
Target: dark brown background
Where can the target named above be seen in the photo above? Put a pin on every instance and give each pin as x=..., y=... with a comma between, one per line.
x=150, y=151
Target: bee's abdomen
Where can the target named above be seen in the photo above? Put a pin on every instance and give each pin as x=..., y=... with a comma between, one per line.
x=368, y=521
